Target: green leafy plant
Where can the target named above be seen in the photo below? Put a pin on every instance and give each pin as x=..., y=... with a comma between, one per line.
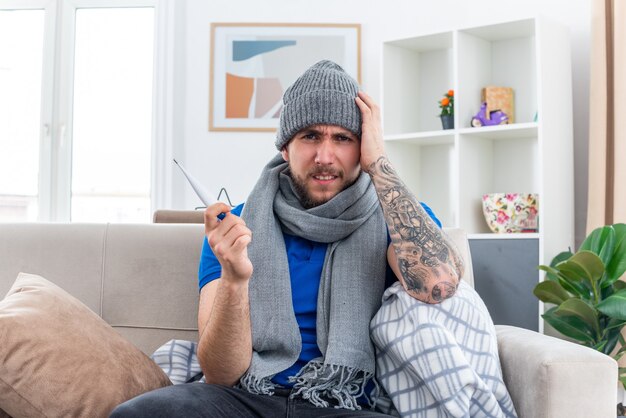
x=589, y=298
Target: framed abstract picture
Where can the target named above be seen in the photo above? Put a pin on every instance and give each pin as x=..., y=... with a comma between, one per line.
x=253, y=63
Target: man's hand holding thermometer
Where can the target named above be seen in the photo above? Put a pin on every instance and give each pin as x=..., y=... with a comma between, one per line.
x=228, y=236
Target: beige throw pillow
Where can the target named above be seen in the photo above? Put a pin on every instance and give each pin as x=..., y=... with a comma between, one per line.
x=60, y=359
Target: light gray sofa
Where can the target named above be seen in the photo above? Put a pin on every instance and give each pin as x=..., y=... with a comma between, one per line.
x=142, y=280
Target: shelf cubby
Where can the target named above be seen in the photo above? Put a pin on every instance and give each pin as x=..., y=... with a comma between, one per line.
x=501, y=55
x=493, y=165
x=418, y=73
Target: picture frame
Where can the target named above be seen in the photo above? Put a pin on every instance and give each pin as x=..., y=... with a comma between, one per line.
x=253, y=63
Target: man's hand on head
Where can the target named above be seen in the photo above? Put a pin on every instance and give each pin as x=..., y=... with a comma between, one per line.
x=372, y=145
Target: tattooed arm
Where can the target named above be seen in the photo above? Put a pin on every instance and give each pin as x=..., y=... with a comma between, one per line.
x=424, y=259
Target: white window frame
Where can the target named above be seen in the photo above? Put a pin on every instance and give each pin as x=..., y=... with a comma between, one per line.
x=55, y=144
x=47, y=92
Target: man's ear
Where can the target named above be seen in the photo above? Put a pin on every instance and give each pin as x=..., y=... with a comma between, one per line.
x=285, y=153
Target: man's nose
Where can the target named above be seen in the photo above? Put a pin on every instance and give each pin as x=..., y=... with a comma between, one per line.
x=325, y=152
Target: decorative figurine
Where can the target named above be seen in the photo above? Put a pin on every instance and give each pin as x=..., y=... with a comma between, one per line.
x=496, y=117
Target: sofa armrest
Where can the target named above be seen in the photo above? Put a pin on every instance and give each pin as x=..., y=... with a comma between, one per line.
x=552, y=378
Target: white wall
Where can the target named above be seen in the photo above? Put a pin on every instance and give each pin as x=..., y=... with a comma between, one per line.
x=234, y=160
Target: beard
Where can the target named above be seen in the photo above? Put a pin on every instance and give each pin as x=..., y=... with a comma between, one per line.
x=307, y=200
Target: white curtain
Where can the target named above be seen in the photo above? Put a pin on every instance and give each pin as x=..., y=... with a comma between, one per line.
x=607, y=112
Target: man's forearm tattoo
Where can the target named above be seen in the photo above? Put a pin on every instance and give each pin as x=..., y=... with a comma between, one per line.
x=412, y=273
x=422, y=250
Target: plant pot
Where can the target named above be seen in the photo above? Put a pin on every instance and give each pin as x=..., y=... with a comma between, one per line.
x=447, y=121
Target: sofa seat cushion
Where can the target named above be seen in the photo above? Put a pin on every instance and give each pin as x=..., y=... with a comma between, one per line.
x=60, y=359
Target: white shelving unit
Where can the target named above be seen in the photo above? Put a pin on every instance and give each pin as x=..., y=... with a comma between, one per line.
x=451, y=169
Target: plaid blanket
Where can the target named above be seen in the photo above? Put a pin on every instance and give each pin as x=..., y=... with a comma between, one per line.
x=439, y=360
x=178, y=360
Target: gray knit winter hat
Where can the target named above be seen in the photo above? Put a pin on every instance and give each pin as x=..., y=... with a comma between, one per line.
x=324, y=94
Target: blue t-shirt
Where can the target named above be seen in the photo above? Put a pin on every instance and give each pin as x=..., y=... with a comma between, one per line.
x=305, y=259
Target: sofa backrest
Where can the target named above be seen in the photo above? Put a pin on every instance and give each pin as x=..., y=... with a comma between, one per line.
x=140, y=278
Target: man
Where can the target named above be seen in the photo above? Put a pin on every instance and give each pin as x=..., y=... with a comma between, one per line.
x=289, y=288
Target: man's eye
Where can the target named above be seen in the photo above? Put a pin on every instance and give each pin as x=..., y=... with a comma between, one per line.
x=343, y=138
x=310, y=136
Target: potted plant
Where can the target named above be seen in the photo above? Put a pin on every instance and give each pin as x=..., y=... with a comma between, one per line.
x=447, y=110
x=589, y=298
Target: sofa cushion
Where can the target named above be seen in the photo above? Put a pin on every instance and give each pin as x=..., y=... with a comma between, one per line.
x=58, y=358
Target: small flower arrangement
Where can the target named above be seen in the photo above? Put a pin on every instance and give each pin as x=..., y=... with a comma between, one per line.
x=447, y=103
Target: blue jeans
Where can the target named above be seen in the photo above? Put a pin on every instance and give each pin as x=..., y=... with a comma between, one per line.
x=205, y=400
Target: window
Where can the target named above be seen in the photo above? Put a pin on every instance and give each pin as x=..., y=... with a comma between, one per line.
x=76, y=119
x=21, y=56
x=112, y=115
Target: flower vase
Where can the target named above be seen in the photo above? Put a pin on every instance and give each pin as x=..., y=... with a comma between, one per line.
x=447, y=121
